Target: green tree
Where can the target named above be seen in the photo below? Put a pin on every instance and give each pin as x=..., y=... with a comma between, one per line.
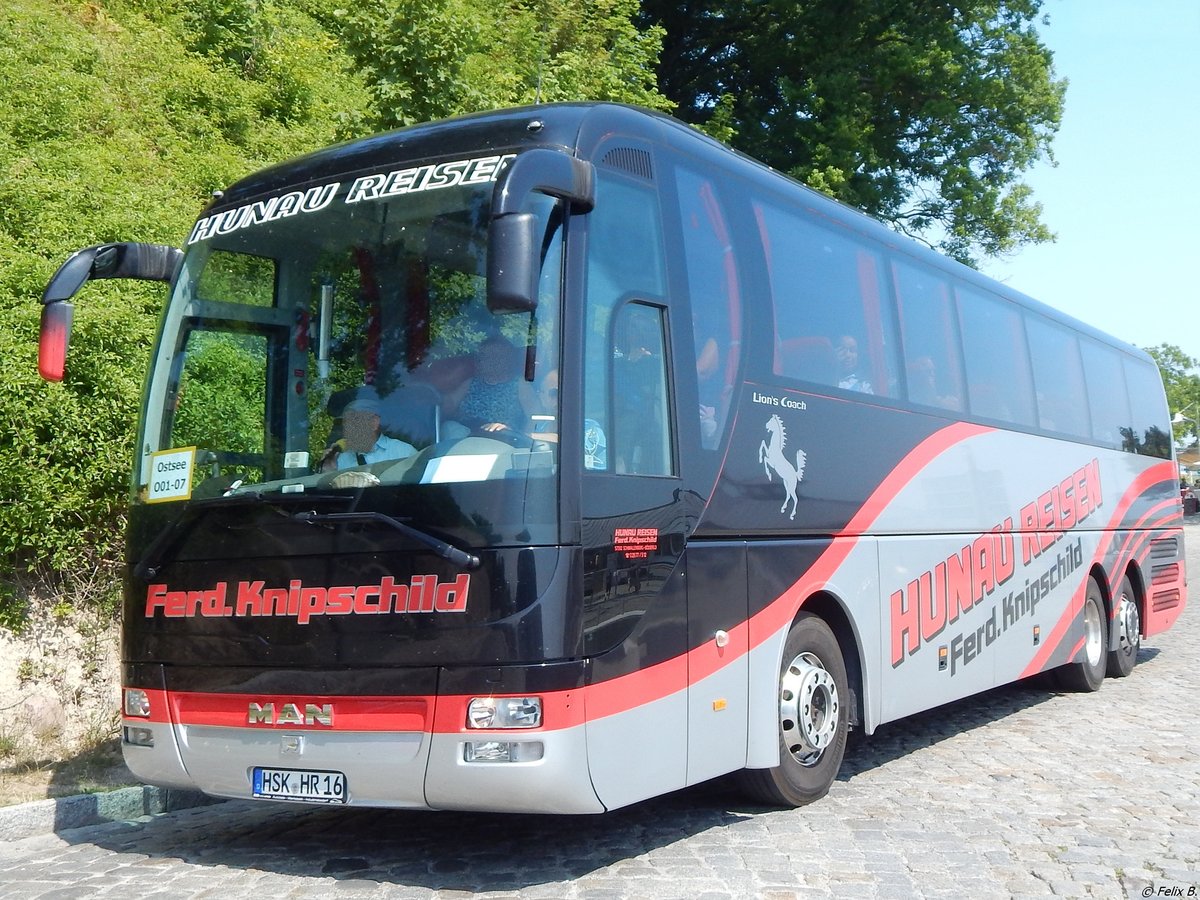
x=428, y=59
x=1181, y=377
x=922, y=114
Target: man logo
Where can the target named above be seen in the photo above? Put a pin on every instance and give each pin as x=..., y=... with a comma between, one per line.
x=291, y=714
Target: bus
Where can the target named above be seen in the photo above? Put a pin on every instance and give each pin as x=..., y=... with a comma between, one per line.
x=555, y=458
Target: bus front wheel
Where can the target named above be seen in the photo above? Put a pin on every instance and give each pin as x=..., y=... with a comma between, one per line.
x=1087, y=674
x=813, y=718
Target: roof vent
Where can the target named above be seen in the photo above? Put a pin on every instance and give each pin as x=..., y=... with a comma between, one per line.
x=631, y=160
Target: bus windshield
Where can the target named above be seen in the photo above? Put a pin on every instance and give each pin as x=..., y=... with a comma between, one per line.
x=336, y=338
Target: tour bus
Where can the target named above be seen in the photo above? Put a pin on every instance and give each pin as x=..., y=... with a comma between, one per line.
x=555, y=458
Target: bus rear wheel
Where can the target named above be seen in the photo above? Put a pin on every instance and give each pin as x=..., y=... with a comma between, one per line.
x=813, y=719
x=1123, y=657
x=1087, y=674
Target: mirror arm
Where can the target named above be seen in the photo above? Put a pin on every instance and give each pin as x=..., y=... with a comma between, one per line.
x=544, y=171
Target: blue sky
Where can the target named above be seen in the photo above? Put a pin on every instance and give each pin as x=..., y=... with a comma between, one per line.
x=1124, y=199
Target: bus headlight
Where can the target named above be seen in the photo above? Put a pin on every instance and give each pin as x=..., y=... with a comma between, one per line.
x=504, y=712
x=138, y=737
x=136, y=703
x=503, y=751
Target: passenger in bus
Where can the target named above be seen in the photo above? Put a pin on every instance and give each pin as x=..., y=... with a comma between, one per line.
x=922, y=384
x=708, y=363
x=496, y=398
x=545, y=428
x=848, y=374
x=363, y=441
x=639, y=392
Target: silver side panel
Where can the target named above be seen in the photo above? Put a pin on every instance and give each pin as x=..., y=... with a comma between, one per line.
x=640, y=752
x=161, y=764
x=557, y=783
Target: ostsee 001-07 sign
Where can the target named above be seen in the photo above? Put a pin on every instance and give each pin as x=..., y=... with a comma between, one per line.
x=171, y=475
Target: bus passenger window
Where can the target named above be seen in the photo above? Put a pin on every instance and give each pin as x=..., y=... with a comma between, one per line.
x=832, y=323
x=625, y=258
x=997, y=357
x=929, y=328
x=715, y=298
x=1058, y=378
x=641, y=440
x=1107, y=398
x=1147, y=408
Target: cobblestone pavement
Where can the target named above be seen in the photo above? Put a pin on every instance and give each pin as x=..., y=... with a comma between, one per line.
x=1018, y=792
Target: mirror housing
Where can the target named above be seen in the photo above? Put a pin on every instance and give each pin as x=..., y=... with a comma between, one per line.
x=512, y=273
x=143, y=262
x=514, y=255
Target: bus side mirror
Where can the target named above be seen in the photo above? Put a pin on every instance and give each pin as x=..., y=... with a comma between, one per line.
x=514, y=256
x=143, y=262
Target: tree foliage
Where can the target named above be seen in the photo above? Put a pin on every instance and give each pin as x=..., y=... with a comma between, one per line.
x=428, y=59
x=1181, y=377
x=923, y=114
x=118, y=119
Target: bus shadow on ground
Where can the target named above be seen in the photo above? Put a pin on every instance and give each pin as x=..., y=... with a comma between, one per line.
x=484, y=852
x=893, y=740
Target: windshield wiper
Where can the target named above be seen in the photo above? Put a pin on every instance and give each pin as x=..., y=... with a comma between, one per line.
x=160, y=551
x=441, y=548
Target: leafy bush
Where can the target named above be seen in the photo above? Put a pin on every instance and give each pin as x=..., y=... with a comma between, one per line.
x=118, y=120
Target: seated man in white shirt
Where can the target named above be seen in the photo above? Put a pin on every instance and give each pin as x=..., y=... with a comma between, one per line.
x=363, y=442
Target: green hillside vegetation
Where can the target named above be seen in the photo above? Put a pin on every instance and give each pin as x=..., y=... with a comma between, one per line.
x=119, y=118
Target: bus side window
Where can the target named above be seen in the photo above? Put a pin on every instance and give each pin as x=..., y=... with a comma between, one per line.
x=832, y=323
x=715, y=296
x=640, y=440
x=1146, y=405
x=1107, y=397
x=999, y=385
x=1058, y=378
x=929, y=330
x=625, y=259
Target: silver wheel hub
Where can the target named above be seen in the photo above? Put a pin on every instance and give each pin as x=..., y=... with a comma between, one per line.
x=809, y=707
x=1129, y=626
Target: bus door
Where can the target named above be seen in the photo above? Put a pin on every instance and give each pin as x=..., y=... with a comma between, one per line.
x=636, y=510
x=708, y=269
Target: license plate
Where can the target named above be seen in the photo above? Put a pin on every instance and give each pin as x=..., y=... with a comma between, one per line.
x=310, y=785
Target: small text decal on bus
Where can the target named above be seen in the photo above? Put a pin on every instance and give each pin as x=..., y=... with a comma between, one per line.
x=423, y=594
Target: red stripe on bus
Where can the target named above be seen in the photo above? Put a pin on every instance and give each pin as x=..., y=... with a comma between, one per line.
x=289, y=711
x=1156, y=474
x=780, y=612
x=442, y=715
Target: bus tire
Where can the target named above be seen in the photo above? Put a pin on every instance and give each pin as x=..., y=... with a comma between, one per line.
x=813, y=718
x=1123, y=656
x=1087, y=674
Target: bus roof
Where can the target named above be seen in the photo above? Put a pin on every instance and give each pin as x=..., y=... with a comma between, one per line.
x=575, y=127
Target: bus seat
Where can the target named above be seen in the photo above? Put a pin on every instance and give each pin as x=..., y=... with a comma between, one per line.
x=808, y=358
x=412, y=412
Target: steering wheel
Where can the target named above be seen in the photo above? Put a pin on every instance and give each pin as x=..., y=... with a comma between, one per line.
x=510, y=436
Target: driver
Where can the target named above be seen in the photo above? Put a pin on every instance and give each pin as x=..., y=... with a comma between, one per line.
x=363, y=442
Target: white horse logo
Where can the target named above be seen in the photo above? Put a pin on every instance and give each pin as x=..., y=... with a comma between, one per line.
x=770, y=454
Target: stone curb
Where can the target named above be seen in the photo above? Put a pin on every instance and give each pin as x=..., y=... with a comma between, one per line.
x=62, y=813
